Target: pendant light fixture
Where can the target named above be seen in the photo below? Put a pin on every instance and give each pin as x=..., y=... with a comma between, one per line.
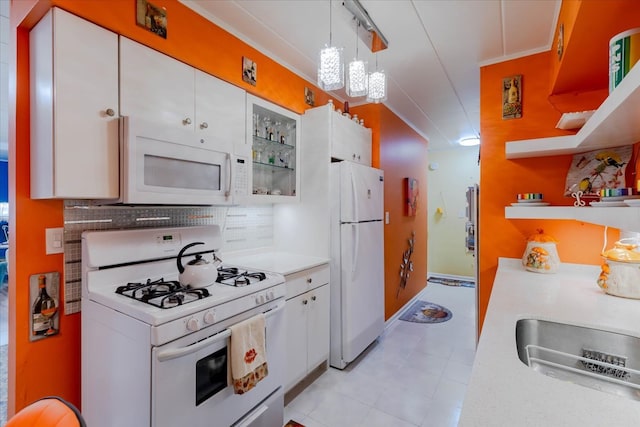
x=377, y=85
x=357, y=79
x=330, y=64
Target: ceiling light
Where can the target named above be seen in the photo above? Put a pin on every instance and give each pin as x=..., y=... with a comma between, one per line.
x=357, y=79
x=330, y=65
x=377, y=85
x=469, y=142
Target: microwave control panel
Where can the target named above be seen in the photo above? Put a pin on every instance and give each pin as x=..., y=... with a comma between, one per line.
x=241, y=186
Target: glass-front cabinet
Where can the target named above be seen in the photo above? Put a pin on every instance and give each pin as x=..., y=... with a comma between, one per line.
x=273, y=133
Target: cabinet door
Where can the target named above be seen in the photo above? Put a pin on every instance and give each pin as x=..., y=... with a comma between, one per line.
x=318, y=326
x=155, y=86
x=74, y=108
x=220, y=112
x=350, y=141
x=295, y=314
x=273, y=141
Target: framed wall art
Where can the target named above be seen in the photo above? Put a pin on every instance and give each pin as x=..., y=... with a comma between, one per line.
x=151, y=17
x=412, y=191
x=249, y=71
x=512, y=97
x=597, y=170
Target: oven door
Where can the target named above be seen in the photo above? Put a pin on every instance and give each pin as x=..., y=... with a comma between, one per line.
x=191, y=384
x=162, y=165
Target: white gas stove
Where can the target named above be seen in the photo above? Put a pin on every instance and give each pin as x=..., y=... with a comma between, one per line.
x=134, y=309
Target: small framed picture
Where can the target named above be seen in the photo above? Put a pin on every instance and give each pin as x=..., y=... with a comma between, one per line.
x=249, y=71
x=412, y=192
x=309, y=97
x=512, y=97
x=152, y=18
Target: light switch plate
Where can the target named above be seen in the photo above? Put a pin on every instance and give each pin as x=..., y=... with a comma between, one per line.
x=54, y=240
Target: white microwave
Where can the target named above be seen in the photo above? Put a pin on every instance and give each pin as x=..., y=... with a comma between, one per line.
x=171, y=166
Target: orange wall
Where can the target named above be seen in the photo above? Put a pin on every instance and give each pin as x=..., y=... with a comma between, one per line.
x=403, y=153
x=52, y=366
x=589, y=25
x=501, y=179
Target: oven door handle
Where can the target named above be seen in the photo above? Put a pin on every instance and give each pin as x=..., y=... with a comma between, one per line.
x=174, y=353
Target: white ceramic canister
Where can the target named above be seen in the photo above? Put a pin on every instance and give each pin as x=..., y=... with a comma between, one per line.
x=541, y=257
x=620, y=271
x=624, y=52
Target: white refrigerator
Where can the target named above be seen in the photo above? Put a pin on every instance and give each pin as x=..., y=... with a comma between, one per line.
x=357, y=259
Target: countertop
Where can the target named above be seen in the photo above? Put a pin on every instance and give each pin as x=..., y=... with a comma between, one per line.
x=504, y=392
x=277, y=261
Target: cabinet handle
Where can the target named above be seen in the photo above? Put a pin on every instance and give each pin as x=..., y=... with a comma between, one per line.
x=110, y=112
x=353, y=156
x=358, y=156
x=186, y=121
x=313, y=298
x=204, y=125
x=309, y=280
x=305, y=302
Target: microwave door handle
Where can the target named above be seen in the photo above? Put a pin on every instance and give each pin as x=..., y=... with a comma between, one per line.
x=228, y=192
x=183, y=351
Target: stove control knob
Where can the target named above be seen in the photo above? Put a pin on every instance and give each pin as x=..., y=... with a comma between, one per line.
x=209, y=317
x=271, y=295
x=193, y=324
x=261, y=299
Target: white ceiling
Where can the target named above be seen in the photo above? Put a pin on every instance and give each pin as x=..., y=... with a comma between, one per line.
x=436, y=48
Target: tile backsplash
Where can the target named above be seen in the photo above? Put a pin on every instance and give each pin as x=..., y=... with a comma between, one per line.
x=243, y=227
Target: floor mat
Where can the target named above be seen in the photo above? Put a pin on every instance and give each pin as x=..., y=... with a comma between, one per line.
x=426, y=312
x=451, y=282
x=292, y=423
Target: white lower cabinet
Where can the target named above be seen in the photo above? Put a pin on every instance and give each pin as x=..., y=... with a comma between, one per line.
x=307, y=320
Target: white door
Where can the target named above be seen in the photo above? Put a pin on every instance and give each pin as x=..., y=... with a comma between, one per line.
x=362, y=286
x=361, y=193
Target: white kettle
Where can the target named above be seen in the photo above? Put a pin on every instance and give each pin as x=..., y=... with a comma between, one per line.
x=198, y=272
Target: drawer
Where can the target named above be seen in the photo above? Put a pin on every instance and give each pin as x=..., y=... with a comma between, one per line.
x=303, y=281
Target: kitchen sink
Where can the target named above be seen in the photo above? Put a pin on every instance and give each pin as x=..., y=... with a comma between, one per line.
x=595, y=358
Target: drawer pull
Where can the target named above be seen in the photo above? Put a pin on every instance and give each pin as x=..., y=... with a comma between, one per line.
x=309, y=280
x=313, y=298
x=305, y=302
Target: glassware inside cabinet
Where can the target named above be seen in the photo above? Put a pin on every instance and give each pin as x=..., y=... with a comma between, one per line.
x=273, y=152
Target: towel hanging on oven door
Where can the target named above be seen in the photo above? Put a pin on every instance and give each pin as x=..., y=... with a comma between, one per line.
x=248, y=353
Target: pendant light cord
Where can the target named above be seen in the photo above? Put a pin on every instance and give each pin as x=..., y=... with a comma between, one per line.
x=330, y=25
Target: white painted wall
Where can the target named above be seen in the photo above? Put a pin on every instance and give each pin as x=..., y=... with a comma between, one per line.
x=454, y=171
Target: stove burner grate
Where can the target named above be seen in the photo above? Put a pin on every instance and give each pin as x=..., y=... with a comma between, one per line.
x=232, y=276
x=161, y=293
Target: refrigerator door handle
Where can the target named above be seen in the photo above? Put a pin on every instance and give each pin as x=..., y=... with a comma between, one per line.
x=356, y=245
x=354, y=198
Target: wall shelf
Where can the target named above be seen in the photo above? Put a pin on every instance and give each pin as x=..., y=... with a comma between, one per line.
x=624, y=218
x=614, y=124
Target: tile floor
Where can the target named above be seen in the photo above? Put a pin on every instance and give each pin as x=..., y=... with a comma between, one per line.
x=414, y=375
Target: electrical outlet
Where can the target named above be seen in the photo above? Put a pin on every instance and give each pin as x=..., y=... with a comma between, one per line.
x=54, y=240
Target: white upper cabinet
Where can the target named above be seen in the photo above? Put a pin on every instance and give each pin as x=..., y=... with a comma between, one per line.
x=220, y=111
x=273, y=142
x=349, y=140
x=159, y=88
x=74, y=108
x=155, y=87
x=345, y=139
